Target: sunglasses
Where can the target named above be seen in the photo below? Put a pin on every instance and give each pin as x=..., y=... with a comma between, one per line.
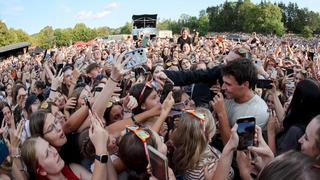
x=150, y=84
x=142, y=135
x=170, y=63
x=198, y=115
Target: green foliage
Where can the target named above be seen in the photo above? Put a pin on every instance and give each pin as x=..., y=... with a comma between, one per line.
x=10, y=36
x=126, y=29
x=231, y=16
x=21, y=35
x=82, y=33
x=45, y=38
x=307, y=32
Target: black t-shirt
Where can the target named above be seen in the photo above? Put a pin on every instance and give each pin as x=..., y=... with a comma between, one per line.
x=182, y=41
x=70, y=152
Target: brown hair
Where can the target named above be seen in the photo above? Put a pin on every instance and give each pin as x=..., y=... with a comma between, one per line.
x=132, y=153
x=37, y=120
x=291, y=165
x=28, y=154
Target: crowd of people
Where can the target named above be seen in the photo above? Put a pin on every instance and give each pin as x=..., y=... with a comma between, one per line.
x=78, y=113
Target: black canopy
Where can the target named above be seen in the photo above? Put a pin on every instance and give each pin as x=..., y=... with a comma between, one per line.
x=145, y=20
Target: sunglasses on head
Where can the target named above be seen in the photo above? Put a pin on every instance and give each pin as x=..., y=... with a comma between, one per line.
x=142, y=135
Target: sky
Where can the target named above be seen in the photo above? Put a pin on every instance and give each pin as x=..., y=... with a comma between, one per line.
x=33, y=15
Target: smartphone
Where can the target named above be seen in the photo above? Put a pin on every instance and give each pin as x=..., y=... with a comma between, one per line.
x=159, y=164
x=167, y=87
x=311, y=56
x=44, y=55
x=88, y=103
x=110, y=59
x=264, y=83
x=145, y=41
x=274, y=74
x=137, y=57
x=289, y=72
x=246, y=131
x=4, y=150
x=176, y=109
x=59, y=67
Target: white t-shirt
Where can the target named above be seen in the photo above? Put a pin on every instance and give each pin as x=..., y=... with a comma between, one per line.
x=255, y=107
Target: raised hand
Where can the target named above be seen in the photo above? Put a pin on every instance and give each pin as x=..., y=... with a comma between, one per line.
x=262, y=150
x=57, y=81
x=70, y=104
x=117, y=71
x=98, y=135
x=218, y=103
x=168, y=103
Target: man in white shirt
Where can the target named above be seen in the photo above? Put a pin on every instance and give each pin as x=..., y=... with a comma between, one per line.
x=239, y=77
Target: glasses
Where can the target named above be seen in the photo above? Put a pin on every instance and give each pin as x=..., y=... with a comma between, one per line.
x=173, y=62
x=142, y=135
x=54, y=126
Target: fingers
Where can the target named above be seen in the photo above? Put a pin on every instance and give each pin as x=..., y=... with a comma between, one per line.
x=234, y=128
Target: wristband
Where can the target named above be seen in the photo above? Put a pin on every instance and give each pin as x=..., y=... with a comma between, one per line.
x=53, y=90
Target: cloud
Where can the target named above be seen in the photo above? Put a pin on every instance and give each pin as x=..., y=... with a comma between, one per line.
x=86, y=15
x=101, y=14
x=112, y=5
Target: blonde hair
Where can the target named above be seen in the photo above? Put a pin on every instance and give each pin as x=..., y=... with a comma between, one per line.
x=28, y=153
x=191, y=139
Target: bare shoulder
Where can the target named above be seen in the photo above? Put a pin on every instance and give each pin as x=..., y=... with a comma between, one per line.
x=80, y=171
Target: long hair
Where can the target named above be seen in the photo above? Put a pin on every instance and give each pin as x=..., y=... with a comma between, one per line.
x=132, y=153
x=304, y=105
x=191, y=139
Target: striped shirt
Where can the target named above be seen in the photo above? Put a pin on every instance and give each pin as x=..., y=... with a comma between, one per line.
x=198, y=172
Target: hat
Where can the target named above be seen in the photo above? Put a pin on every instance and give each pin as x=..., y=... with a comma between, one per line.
x=91, y=67
x=30, y=100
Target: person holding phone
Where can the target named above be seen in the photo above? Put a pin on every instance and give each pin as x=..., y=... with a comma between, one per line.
x=133, y=152
x=303, y=107
x=192, y=152
x=44, y=160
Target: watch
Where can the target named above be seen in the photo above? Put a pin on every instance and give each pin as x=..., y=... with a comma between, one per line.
x=103, y=158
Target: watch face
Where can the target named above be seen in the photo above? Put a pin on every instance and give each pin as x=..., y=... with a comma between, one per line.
x=104, y=158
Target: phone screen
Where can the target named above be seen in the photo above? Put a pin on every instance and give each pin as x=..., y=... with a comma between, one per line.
x=144, y=41
x=264, y=83
x=168, y=86
x=246, y=130
x=159, y=164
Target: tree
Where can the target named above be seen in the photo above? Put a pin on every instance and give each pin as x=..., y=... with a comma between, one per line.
x=203, y=26
x=82, y=33
x=102, y=31
x=21, y=36
x=307, y=32
x=6, y=36
x=45, y=38
x=63, y=37
x=126, y=29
